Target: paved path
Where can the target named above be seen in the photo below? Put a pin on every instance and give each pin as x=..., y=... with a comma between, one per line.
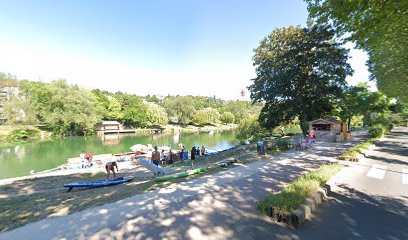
x=371, y=201
x=219, y=206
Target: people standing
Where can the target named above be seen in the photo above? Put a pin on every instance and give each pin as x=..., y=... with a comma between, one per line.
x=155, y=156
x=202, y=150
x=193, y=154
x=170, y=157
x=198, y=151
x=182, y=155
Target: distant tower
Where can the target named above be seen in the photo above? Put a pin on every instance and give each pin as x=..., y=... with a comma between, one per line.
x=242, y=93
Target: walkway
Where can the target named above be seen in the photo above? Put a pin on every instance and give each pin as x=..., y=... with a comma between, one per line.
x=371, y=201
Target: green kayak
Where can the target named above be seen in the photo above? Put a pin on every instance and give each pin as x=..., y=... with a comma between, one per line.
x=180, y=174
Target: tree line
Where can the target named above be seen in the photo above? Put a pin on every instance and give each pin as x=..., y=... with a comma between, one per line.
x=66, y=109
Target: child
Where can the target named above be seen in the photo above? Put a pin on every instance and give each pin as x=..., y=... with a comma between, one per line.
x=110, y=166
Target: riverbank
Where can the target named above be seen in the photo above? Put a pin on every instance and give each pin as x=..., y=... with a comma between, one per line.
x=32, y=198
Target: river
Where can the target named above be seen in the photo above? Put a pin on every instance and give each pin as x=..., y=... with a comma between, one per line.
x=22, y=159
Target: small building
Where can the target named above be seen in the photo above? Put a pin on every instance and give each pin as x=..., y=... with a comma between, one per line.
x=108, y=127
x=329, y=129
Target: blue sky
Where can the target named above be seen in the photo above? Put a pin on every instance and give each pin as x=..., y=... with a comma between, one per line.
x=143, y=47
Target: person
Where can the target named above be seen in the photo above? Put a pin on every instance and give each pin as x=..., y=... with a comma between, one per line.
x=313, y=134
x=198, y=151
x=193, y=153
x=163, y=157
x=89, y=157
x=110, y=166
x=182, y=155
x=202, y=151
x=84, y=162
x=170, y=157
x=155, y=156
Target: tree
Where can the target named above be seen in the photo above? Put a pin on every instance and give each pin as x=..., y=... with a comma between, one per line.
x=206, y=116
x=181, y=107
x=359, y=100
x=249, y=129
x=300, y=73
x=114, y=110
x=133, y=110
x=240, y=109
x=102, y=103
x=380, y=28
x=155, y=115
x=19, y=110
x=227, y=117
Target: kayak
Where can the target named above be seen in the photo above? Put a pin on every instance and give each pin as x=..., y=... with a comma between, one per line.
x=180, y=174
x=101, y=183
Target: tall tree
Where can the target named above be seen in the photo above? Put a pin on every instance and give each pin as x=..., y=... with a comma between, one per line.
x=380, y=28
x=155, y=115
x=181, y=107
x=300, y=73
x=133, y=109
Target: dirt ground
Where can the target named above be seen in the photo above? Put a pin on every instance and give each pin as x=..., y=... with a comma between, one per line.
x=31, y=200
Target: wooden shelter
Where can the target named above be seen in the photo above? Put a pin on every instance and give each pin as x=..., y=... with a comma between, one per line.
x=330, y=129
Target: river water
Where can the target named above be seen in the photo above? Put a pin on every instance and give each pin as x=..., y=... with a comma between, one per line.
x=22, y=159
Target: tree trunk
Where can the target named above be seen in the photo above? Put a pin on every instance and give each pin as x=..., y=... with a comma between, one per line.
x=348, y=123
x=304, y=125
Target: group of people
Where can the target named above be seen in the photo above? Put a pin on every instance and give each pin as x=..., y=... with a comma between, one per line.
x=157, y=157
x=86, y=162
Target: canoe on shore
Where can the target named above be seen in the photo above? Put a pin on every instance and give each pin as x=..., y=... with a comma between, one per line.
x=180, y=174
x=101, y=183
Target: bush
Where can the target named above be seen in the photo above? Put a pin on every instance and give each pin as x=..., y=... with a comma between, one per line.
x=22, y=134
x=282, y=143
x=376, y=131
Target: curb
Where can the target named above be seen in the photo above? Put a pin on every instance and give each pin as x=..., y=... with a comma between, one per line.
x=304, y=211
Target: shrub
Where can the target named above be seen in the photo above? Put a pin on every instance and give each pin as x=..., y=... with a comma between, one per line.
x=376, y=131
x=282, y=143
x=21, y=134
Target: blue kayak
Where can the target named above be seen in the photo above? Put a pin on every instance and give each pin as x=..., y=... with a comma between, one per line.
x=101, y=183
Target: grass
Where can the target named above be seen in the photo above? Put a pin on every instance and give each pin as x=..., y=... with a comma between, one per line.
x=358, y=149
x=295, y=194
x=35, y=199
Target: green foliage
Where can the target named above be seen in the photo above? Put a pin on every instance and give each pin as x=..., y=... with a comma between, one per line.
x=379, y=126
x=300, y=74
x=22, y=134
x=65, y=109
x=102, y=104
x=282, y=143
x=133, y=110
x=376, y=131
x=249, y=129
x=240, y=109
x=227, y=117
x=206, y=116
x=18, y=110
x=114, y=110
x=358, y=100
x=155, y=115
x=181, y=107
x=378, y=27
x=295, y=194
